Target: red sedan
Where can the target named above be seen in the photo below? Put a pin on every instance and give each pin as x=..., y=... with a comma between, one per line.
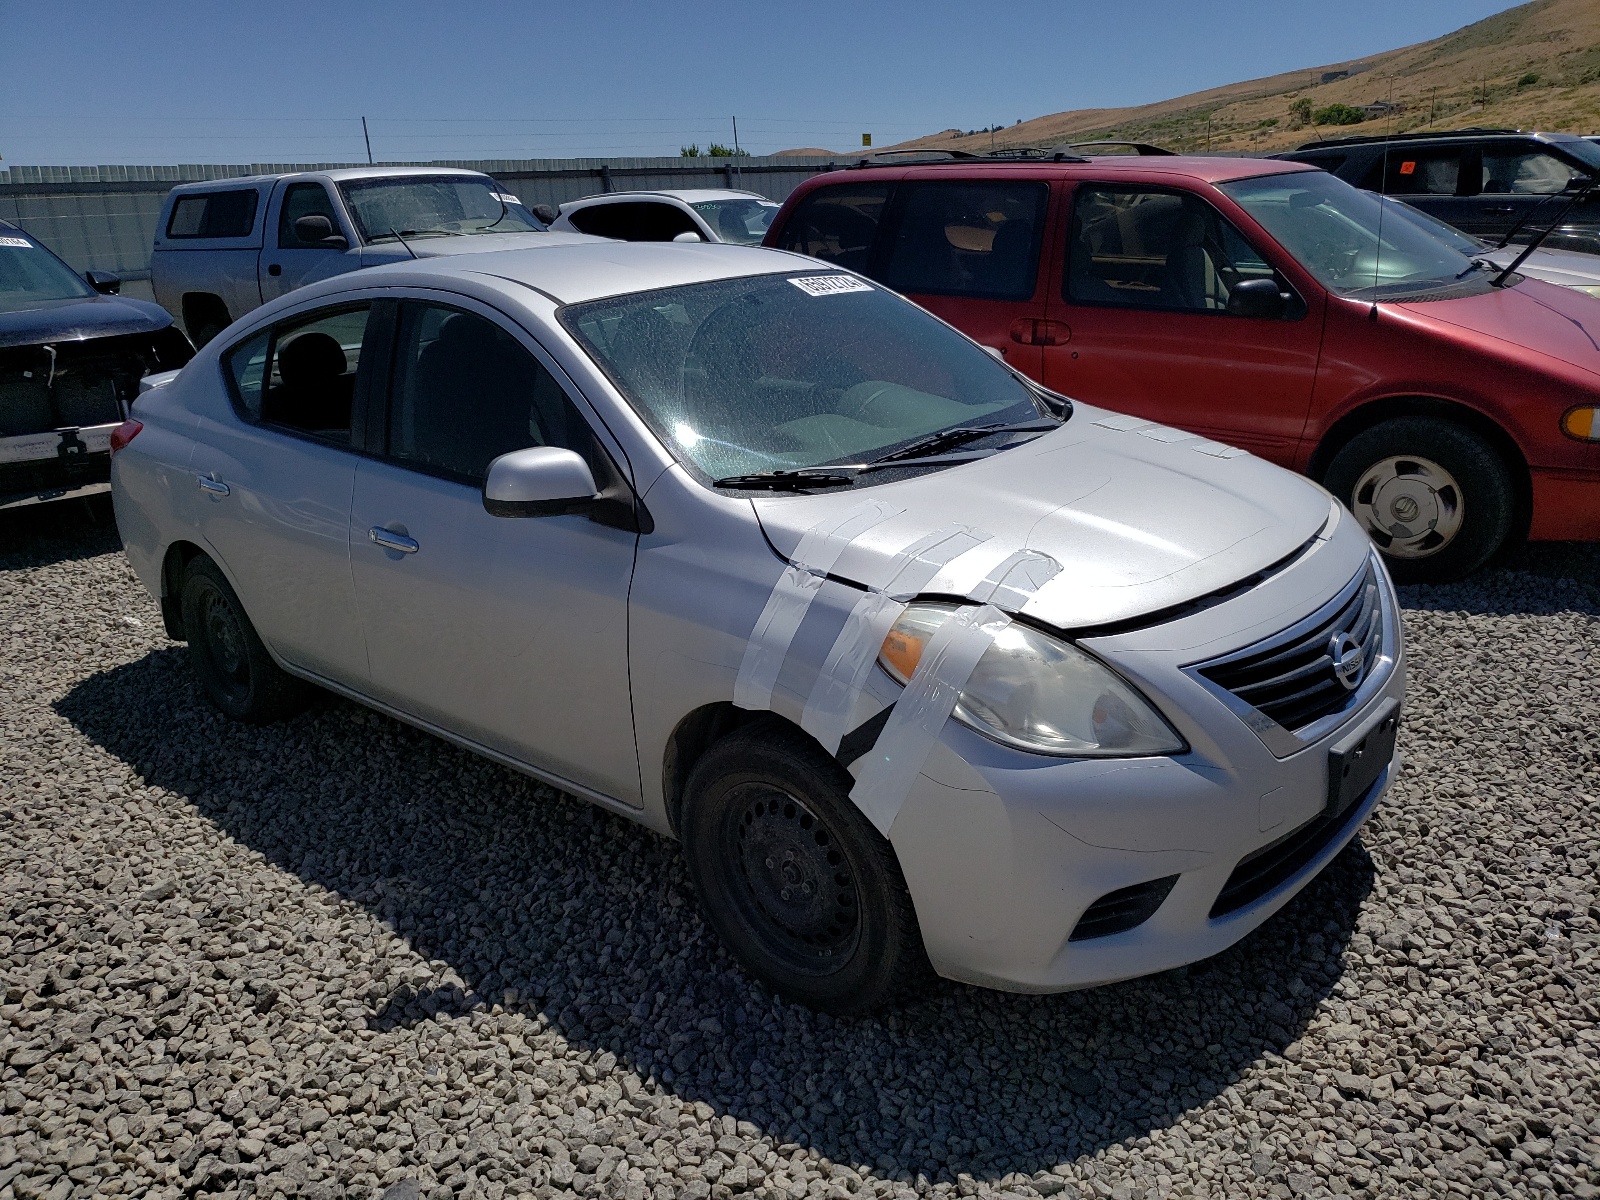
x=1264, y=304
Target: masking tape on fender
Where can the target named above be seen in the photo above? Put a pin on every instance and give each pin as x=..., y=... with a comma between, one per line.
x=844, y=671
x=791, y=598
x=921, y=711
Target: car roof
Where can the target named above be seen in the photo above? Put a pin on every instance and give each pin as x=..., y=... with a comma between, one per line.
x=337, y=174
x=687, y=195
x=1434, y=135
x=1134, y=168
x=570, y=273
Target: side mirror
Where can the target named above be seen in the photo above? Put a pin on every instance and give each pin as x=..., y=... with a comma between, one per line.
x=317, y=230
x=1258, y=298
x=545, y=212
x=104, y=282
x=689, y=235
x=541, y=481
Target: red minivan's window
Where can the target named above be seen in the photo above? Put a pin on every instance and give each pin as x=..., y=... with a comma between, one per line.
x=967, y=238
x=837, y=224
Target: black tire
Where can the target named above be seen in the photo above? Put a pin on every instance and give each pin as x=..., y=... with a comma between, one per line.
x=204, y=316
x=235, y=670
x=1381, y=473
x=800, y=886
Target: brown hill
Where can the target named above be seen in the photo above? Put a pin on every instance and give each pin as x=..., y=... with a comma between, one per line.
x=1536, y=66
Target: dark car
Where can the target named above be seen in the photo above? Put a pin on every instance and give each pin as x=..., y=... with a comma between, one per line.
x=1486, y=182
x=72, y=353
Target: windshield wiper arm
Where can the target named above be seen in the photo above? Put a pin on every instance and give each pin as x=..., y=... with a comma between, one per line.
x=1580, y=191
x=785, y=481
x=948, y=439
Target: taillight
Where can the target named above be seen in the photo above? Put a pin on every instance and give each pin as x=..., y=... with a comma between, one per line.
x=125, y=433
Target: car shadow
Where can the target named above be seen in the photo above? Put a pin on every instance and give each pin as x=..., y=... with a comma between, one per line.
x=1534, y=579
x=511, y=884
x=36, y=535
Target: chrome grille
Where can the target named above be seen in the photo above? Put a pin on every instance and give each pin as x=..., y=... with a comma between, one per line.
x=1293, y=678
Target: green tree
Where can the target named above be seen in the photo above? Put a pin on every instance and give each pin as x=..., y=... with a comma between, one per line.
x=1300, y=112
x=718, y=150
x=690, y=151
x=1338, y=114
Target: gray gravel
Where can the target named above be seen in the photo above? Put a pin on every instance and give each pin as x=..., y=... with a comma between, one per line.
x=338, y=957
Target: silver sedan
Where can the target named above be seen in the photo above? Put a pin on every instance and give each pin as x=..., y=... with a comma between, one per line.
x=927, y=668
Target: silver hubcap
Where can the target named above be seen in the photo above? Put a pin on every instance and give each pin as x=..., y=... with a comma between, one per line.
x=1412, y=507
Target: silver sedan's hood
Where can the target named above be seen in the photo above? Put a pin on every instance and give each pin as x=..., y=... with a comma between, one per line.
x=1140, y=516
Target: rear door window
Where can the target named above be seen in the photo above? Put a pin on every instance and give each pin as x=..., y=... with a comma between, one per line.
x=837, y=224
x=301, y=376
x=230, y=214
x=975, y=238
x=1426, y=171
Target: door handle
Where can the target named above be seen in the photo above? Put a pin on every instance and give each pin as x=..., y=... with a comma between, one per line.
x=274, y=269
x=1032, y=331
x=215, y=486
x=390, y=540
x=1500, y=208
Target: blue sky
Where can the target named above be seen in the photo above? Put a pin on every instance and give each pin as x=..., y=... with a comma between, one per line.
x=288, y=81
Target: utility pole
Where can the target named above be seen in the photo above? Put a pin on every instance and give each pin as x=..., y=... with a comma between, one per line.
x=736, y=137
x=1432, y=105
x=366, y=137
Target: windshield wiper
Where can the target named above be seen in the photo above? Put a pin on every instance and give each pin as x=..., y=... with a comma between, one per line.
x=400, y=235
x=786, y=481
x=948, y=439
x=1579, y=191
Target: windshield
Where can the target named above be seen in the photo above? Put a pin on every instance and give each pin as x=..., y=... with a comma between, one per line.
x=743, y=222
x=1445, y=232
x=29, y=273
x=778, y=372
x=1581, y=149
x=438, y=205
x=1331, y=229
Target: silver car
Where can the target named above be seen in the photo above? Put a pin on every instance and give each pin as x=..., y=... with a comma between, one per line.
x=688, y=215
x=924, y=666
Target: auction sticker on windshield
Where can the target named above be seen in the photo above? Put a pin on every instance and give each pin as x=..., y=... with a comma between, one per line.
x=19, y=243
x=830, y=285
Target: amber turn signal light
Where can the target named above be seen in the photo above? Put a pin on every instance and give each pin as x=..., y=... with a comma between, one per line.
x=1582, y=423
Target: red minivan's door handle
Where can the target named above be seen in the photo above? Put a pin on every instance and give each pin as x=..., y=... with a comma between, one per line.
x=1031, y=331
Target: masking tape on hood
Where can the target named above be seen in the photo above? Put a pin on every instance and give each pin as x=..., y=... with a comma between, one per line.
x=1013, y=581
x=919, y=715
x=844, y=671
x=791, y=598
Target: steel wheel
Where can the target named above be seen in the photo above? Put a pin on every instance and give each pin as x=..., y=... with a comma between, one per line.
x=234, y=668
x=1410, y=506
x=794, y=881
x=225, y=640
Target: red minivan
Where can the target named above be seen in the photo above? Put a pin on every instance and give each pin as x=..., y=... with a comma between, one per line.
x=1261, y=303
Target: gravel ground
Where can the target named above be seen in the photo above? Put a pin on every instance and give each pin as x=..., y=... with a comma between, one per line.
x=337, y=957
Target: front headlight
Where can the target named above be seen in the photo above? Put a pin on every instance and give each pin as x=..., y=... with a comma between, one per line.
x=1592, y=289
x=1037, y=692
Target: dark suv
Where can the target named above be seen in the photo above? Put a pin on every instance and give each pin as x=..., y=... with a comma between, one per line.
x=1486, y=182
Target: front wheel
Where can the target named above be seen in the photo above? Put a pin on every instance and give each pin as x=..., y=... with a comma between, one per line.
x=1435, y=497
x=793, y=877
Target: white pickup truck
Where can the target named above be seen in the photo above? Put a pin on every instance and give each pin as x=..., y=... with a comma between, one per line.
x=224, y=246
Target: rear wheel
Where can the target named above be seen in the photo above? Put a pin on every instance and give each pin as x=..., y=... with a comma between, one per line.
x=794, y=878
x=1435, y=497
x=234, y=668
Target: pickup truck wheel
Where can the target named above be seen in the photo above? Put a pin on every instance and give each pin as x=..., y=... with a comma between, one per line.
x=800, y=886
x=234, y=668
x=204, y=316
x=1435, y=497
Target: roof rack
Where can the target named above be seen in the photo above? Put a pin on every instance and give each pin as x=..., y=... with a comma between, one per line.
x=1411, y=136
x=1102, y=149
x=919, y=155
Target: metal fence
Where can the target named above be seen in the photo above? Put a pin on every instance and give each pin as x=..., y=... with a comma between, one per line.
x=104, y=218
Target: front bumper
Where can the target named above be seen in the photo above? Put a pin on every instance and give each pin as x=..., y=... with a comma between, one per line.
x=55, y=465
x=1005, y=852
x=1566, y=506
